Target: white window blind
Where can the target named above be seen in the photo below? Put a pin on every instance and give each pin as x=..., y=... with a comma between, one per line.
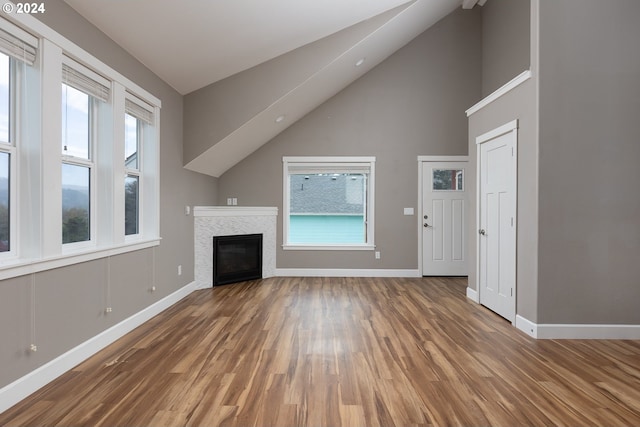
x=315, y=168
x=88, y=85
x=139, y=109
x=17, y=47
x=311, y=165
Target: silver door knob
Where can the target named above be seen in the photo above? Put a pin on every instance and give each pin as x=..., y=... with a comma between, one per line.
x=482, y=232
x=426, y=225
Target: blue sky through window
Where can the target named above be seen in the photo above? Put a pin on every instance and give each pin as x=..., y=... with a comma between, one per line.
x=75, y=122
x=4, y=98
x=130, y=141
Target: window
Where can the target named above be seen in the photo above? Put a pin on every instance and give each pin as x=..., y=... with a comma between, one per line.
x=78, y=148
x=448, y=180
x=138, y=116
x=5, y=98
x=132, y=177
x=6, y=149
x=81, y=95
x=16, y=53
x=328, y=202
x=5, y=236
x=76, y=165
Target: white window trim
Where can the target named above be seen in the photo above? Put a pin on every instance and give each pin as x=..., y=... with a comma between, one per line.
x=39, y=29
x=329, y=161
x=21, y=267
x=42, y=249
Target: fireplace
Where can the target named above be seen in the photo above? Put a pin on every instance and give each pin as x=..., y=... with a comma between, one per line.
x=237, y=258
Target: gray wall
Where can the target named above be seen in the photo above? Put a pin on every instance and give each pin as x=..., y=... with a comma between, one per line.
x=589, y=153
x=215, y=111
x=505, y=42
x=501, y=61
x=67, y=304
x=411, y=104
x=518, y=104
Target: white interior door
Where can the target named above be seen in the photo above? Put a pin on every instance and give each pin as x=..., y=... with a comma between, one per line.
x=444, y=238
x=497, y=223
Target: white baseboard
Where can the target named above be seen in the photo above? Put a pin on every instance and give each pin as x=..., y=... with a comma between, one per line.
x=345, y=272
x=36, y=379
x=578, y=331
x=527, y=326
x=472, y=294
x=584, y=332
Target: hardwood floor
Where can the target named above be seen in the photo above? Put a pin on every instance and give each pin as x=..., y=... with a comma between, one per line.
x=340, y=352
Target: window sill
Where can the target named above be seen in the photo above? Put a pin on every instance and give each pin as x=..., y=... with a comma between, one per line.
x=361, y=247
x=20, y=267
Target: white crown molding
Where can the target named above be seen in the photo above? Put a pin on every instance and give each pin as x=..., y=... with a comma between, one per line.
x=508, y=87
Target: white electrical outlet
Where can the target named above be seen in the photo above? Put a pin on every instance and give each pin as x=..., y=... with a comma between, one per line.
x=187, y=210
x=180, y=270
x=377, y=254
x=229, y=201
x=235, y=201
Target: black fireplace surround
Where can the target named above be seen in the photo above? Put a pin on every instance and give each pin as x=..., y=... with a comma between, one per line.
x=237, y=258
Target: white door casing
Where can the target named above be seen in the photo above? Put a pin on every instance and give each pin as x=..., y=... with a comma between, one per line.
x=496, y=219
x=443, y=217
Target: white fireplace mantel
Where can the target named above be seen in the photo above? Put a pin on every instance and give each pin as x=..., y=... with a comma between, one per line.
x=207, y=211
x=210, y=221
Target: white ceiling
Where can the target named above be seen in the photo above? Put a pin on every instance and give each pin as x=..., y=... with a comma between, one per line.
x=191, y=44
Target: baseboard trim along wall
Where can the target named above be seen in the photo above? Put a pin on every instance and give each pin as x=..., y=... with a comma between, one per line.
x=527, y=326
x=578, y=332
x=38, y=378
x=345, y=272
x=472, y=294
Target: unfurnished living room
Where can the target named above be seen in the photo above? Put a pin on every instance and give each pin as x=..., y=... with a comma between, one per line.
x=336, y=213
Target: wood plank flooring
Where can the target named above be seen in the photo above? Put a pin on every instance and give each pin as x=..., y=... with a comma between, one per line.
x=340, y=352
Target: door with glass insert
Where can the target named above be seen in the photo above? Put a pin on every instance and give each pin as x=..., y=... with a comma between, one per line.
x=443, y=222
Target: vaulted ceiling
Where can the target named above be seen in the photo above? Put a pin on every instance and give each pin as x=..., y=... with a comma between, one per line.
x=213, y=44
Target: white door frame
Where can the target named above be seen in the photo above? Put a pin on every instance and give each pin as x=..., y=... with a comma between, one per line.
x=510, y=127
x=421, y=160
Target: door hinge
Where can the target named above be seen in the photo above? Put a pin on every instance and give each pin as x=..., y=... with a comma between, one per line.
x=511, y=151
x=512, y=221
x=511, y=291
